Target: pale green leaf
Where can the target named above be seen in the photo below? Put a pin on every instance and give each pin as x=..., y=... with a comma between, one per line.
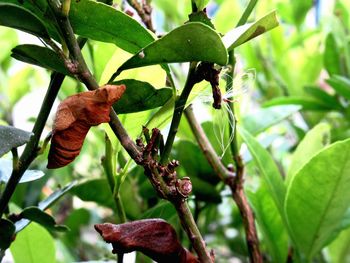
x=314, y=141
x=318, y=197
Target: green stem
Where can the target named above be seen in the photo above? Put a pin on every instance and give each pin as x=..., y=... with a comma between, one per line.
x=30, y=151
x=206, y=146
x=192, y=231
x=180, y=104
x=249, y=9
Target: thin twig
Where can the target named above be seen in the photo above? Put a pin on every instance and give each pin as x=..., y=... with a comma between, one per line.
x=234, y=181
x=144, y=11
x=178, y=109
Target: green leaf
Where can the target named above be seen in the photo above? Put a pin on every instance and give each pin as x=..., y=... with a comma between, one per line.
x=75, y=220
x=19, y=18
x=37, y=215
x=32, y=245
x=318, y=197
x=270, y=223
x=300, y=8
x=140, y=96
x=39, y=56
x=201, y=4
x=28, y=176
x=104, y=23
x=341, y=85
x=314, y=141
x=46, y=203
x=339, y=249
x=95, y=190
x=259, y=121
x=331, y=56
x=242, y=34
x=191, y=42
x=11, y=137
x=305, y=102
x=7, y=233
x=267, y=167
x=324, y=97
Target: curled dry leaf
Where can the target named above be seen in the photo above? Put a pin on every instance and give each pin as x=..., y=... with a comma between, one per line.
x=74, y=117
x=153, y=237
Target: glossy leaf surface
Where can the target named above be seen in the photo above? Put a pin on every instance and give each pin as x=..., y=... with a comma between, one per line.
x=190, y=42
x=39, y=56
x=140, y=96
x=28, y=176
x=11, y=137
x=314, y=141
x=101, y=22
x=318, y=197
x=37, y=215
x=20, y=18
x=306, y=102
x=242, y=34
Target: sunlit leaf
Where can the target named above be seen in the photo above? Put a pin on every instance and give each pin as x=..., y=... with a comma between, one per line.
x=307, y=103
x=318, y=197
x=33, y=244
x=270, y=223
x=242, y=34
x=314, y=141
x=341, y=85
x=19, y=18
x=267, y=167
x=264, y=118
x=191, y=42
x=11, y=137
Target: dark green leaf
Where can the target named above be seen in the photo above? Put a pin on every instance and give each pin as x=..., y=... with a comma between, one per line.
x=201, y=17
x=95, y=190
x=242, y=34
x=7, y=233
x=331, y=56
x=40, y=56
x=318, y=197
x=19, y=18
x=262, y=119
x=11, y=137
x=314, y=141
x=191, y=42
x=267, y=167
x=305, y=102
x=75, y=220
x=104, y=23
x=46, y=203
x=35, y=214
x=163, y=209
x=205, y=191
x=341, y=85
x=324, y=97
x=33, y=245
x=140, y=96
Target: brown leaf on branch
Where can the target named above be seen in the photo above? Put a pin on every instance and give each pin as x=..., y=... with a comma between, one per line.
x=154, y=237
x=75, y=115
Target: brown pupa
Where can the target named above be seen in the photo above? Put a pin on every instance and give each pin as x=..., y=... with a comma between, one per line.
x=75, y=115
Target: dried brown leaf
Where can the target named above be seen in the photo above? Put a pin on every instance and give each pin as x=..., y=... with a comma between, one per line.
x=153, y=237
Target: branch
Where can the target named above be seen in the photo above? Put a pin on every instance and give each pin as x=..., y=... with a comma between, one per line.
x=31, y=150
x=178, y=109
x=235, y=182
x=144, y=11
